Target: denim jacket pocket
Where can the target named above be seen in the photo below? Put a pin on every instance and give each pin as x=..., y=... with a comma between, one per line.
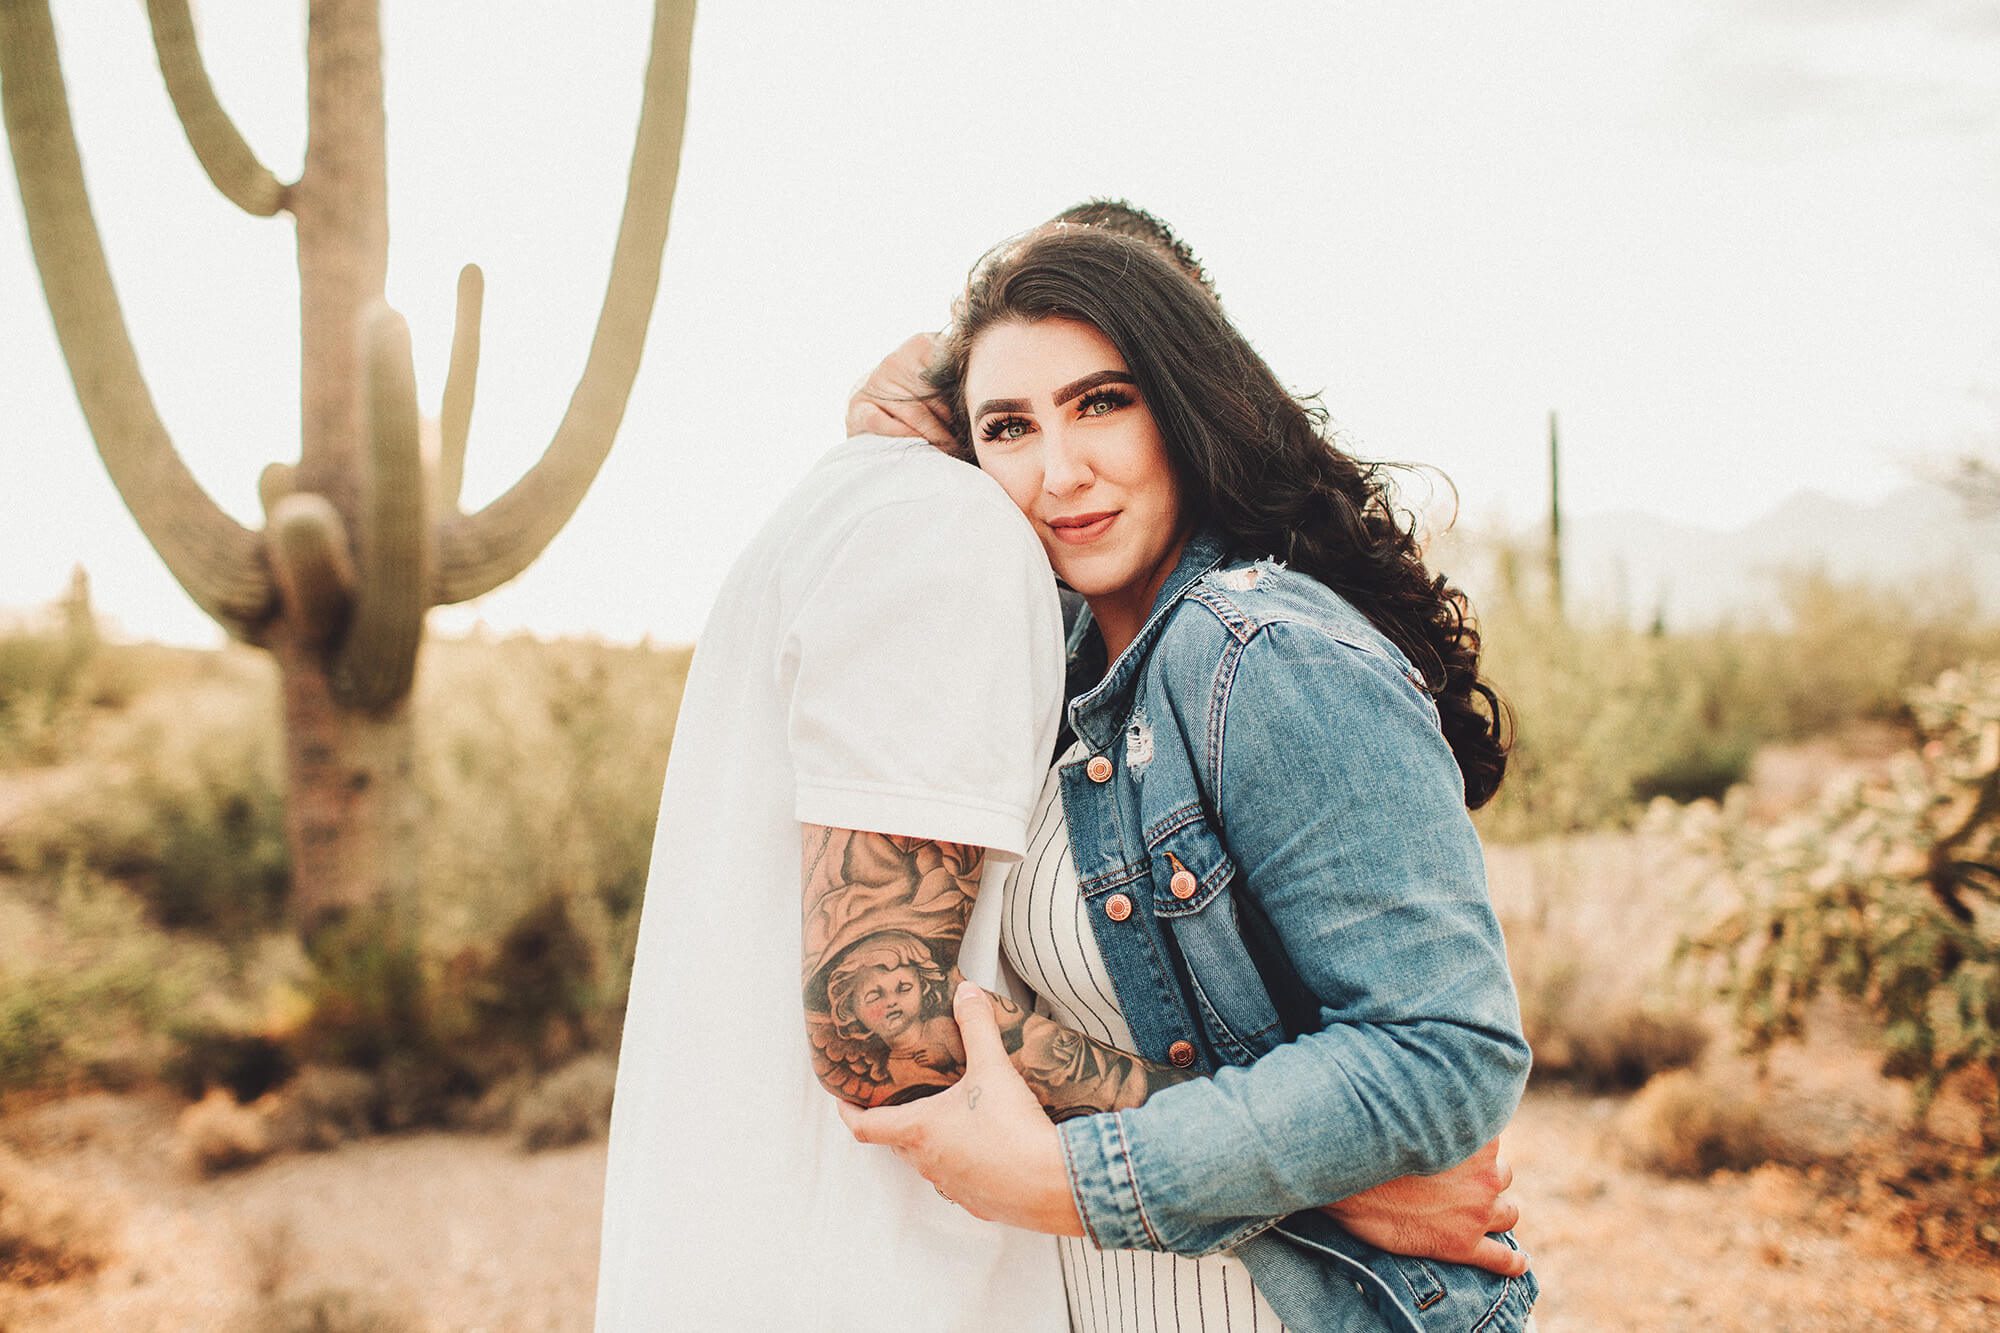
x=1185, y=845
x=1191, y=878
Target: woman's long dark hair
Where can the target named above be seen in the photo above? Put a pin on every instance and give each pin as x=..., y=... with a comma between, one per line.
x=1253, y=462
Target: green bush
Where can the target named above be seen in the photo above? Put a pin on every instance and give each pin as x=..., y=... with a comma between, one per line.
x=1888, y=892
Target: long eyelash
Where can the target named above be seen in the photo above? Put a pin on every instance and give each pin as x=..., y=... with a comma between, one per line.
x=1117, y=397
x=990, y=429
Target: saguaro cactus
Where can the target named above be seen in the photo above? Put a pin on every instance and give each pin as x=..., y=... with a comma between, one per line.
x=363, y=534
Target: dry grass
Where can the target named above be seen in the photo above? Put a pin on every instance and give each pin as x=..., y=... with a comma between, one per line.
x=1610, y=715
x=1690, y=1123
x=1590, y=924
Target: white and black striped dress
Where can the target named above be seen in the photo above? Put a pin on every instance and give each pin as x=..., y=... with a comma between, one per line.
x=1047, y=938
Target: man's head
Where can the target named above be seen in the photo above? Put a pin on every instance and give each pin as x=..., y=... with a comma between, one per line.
x=1130, y=220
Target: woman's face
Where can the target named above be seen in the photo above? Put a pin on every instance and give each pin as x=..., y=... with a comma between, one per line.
x=888, y=1001
x=1058, y=422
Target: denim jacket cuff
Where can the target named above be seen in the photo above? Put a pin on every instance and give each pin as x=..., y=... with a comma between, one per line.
x=1097, y=1156
x=1099, y=1162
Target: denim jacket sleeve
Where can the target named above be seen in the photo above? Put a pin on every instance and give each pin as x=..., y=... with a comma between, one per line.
x=1342, y=809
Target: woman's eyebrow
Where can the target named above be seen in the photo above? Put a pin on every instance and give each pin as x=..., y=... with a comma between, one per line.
x=1091, y=381
x=1002, y=405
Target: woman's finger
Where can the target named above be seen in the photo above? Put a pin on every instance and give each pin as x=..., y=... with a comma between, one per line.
x=886, y=1125
x=978, y=1028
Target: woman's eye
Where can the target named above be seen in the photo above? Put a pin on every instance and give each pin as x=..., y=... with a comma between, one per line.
x=1103, y=403
x=1002, y=429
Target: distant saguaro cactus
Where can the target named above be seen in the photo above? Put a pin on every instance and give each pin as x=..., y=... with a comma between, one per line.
x=364, y=533
x=1555, y=520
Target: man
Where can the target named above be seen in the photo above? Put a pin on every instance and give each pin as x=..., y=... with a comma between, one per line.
x=864, y=731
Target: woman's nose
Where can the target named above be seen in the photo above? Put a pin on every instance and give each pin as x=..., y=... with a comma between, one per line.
x=1064, y=467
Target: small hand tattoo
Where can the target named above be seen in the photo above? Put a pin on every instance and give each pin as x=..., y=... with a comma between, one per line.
x=972, y=1099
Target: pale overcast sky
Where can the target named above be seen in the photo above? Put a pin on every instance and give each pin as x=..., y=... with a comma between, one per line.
x=1745, y=248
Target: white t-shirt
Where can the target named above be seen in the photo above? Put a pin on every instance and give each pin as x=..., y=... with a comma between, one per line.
x=886, y=655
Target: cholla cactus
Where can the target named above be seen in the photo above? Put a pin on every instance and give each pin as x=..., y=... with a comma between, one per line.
x=363, y=534
x=1887, y=891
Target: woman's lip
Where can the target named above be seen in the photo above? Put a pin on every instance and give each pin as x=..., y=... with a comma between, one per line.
x=1081, y=529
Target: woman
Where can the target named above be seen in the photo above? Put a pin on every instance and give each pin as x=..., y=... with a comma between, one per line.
x=1260, y=864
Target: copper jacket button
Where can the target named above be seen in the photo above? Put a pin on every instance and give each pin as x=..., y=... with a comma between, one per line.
x=1118, y=907
x=1182, y=885
x=1181, y=1054
x=1098, y=769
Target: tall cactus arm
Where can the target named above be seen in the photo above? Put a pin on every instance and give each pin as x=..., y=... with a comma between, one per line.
x=377, y=659
x=216, y=559
x=479, y=552
x=455, y=415
x=312, y=563
x=224, y=154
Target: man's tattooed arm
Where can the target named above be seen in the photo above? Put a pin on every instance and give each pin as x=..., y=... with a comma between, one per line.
x=884, y=919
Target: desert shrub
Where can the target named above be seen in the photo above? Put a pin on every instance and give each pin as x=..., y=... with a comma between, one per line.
x=1886, y=891
x=1616, y=1051
x=541, y=765
x=321, y=1108
x=185, y=806
x=571, y=1105
x=1610, y=716
x=1582, y=918
x=539, y=769
x=1690, y=1124
x=50, y=1230
x=1845, y=649
x=218, y=1134
x=29, y=1043
x=46, y=667
x=96, y=992
x=536, y=987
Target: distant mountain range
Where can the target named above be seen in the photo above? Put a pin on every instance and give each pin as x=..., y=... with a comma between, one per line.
x=1920, y=538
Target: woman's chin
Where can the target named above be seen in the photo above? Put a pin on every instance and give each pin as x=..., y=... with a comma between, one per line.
x=1085, y=577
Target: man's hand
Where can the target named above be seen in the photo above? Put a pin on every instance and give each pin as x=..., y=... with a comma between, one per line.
x=895, y=399
x=984, y=1143
x=1444, y=1217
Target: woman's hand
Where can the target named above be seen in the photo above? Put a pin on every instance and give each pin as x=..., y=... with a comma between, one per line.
x=896, y=400
x=985, y=1143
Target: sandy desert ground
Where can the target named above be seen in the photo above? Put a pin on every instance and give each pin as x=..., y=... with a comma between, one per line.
x=447, y=1231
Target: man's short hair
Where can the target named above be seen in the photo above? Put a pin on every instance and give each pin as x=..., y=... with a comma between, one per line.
x=1129, y=219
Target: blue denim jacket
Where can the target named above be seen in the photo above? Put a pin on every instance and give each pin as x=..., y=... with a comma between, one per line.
x=1288, y=895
